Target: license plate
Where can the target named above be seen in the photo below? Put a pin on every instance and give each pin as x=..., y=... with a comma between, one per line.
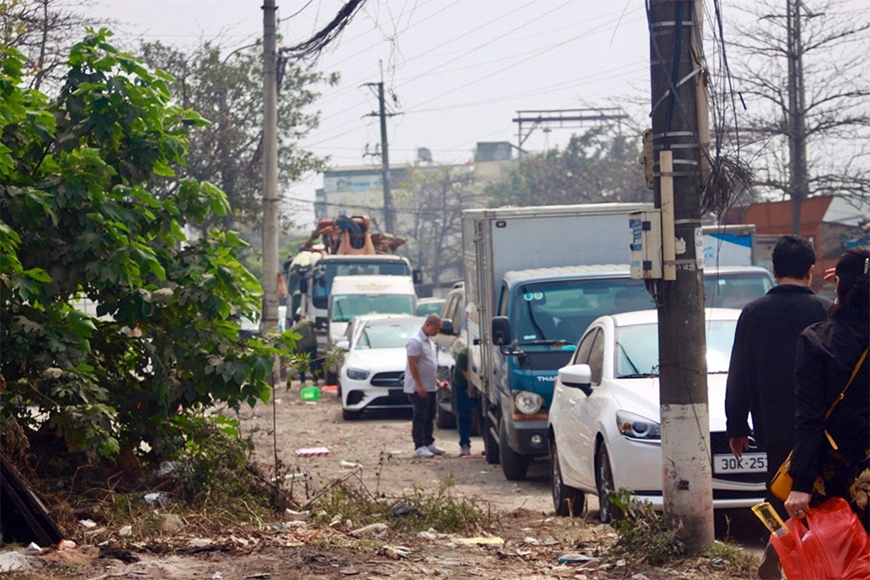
x=748, y=463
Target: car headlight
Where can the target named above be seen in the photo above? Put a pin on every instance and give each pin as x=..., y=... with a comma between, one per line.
x=528, y=403
x=636, y=427
x=357, y=374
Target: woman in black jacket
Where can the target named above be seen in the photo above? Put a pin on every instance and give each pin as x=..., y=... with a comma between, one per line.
x=827, y=353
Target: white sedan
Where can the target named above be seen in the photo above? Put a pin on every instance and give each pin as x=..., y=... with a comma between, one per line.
x=604, y=423
x=373, y=366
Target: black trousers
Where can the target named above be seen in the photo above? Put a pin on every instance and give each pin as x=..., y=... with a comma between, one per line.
x=423, y=421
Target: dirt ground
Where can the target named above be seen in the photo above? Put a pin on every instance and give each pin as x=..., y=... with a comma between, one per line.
x=525, y=540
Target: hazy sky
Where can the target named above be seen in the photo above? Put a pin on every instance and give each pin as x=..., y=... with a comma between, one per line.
x=459, y=69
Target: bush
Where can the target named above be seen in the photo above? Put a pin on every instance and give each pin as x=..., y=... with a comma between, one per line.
x=644, y=536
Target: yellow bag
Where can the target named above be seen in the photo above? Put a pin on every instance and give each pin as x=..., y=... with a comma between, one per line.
x=780, y=485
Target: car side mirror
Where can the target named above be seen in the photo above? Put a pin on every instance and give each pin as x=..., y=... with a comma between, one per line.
x=501, y=331
x=342, y=345
x=577, y=377
x=417, y=276
x=446, y=327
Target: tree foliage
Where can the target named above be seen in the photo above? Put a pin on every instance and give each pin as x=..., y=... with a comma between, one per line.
x=431, y=214
x=78, y=220
x=228, y=91
x=598, y=166
x=44, y=31
x=836, y=108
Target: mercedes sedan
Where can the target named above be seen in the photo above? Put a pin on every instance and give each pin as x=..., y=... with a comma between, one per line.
x=373, y=364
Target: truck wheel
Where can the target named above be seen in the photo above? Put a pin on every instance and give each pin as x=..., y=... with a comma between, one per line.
x=490, y=443
x=443, y=419
x=514, y=465
x=567, y=500
x=476, y=429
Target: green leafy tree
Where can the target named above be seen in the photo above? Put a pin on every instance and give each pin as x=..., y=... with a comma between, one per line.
x=598, y=166
x=78, y=220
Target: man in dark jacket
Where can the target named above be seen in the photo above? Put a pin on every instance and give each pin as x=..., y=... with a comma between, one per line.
x=307, y=345
x=761, y=375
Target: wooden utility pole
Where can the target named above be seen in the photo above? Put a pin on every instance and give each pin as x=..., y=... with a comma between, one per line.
x=270, y=171
x=676, y=66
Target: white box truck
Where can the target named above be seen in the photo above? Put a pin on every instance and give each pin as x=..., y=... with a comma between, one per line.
x=525, y=250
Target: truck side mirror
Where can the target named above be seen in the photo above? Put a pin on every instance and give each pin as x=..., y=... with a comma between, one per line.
x=417, y=275
x=501, y=330
x=446, y=327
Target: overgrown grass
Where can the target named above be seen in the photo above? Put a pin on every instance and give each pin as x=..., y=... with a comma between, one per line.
x=212, y=484
x=415, y=511
x=646, y=537
x=734, y=557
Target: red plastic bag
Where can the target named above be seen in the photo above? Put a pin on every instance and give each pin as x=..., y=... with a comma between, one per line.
x=833, y=544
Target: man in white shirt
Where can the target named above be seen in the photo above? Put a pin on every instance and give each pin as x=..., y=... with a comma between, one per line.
x=420, y=384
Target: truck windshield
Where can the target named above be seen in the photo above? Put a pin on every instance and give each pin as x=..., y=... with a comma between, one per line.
x=345, y=307
x=326, y=273
x=735, y=290
x=559, y=311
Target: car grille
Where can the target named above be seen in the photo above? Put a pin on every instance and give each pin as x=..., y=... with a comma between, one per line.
x=391, y=380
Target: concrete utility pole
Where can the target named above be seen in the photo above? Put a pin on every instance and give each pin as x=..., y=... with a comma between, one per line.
x=676, y=55
x=270, y=172
x=385, y=155
x=798, y=185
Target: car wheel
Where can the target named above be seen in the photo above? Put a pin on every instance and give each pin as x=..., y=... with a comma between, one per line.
x=514, y=465
x=331, y=378
x=349, y=415
x=567, y=500
x=604, y=483
x=490, y=443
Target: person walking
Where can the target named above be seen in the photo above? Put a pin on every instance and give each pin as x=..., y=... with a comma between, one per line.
x=464, y=403
x=828, y=354
x=307, y=344
x=420, y=385
x=761, y=372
